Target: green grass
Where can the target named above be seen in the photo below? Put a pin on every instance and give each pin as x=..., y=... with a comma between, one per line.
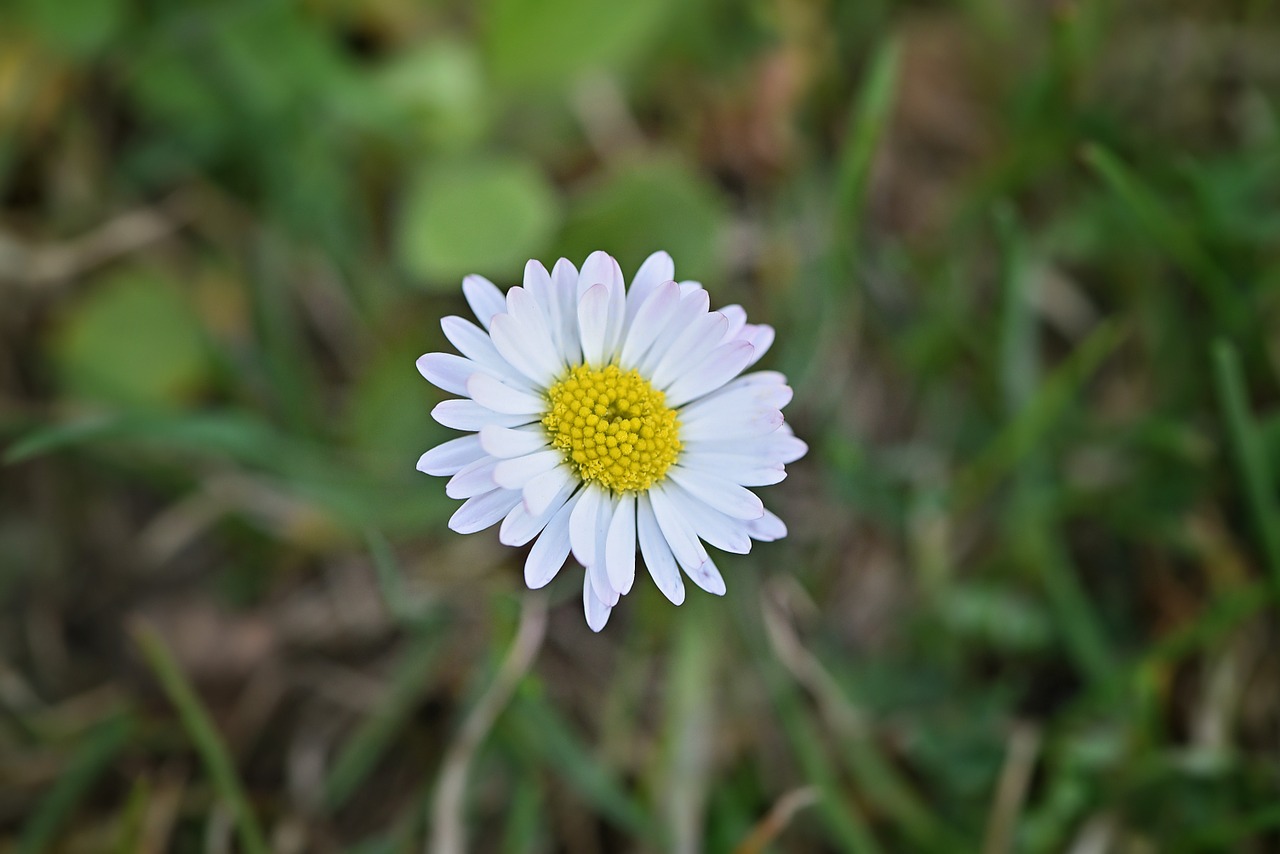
x=1024, y=265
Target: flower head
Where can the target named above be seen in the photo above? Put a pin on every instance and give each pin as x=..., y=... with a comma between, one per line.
x=600, y=419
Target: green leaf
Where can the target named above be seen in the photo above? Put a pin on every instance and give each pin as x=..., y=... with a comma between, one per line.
x=475, y=216
x=218, y=763
x=440, y=86
x=650, y=205
x=78, y=28
x=133, y=340
x=995, y=615
x=388, y=415
x=1250, y=452
x=550, y=739
x=548, y=42
x=868, y=119
x=369, y=742
x=94, y=758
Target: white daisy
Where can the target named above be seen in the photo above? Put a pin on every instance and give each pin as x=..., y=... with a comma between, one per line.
x=601, y=418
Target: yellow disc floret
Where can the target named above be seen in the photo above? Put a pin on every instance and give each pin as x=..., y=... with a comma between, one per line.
x=613, y=427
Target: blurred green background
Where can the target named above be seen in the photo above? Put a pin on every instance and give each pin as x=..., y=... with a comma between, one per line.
x=1024, y=260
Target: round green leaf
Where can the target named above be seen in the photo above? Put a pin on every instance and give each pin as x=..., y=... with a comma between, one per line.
x=441, y=87
x=485, y=216
x=645, y=207
x=133, y=339
x=548, y=42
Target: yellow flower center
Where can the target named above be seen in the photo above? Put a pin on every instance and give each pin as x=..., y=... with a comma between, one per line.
x=613, y=427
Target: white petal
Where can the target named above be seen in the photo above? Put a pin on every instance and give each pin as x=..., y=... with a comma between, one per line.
x=518, y=527
x=582, y=527
x=649, y=322
x=484, y=298
x=608, y=509
x=446, y=371
x=620, y=545
x=521, y=526
x=721, y=531
x=760, y=337
x=706, y=576
x=723, y=364
x=597, y=611
x=534, y=322
x=533, y=316
x=675, y=530
x=657, y=554
x=541, y=490
x=691, y=307
x=767, y=528
x=688, y=286
x=551, y=548
x=537, y=281
x=724, y=495
x=774, y=447
x=712, y=429
x=748, y=395
x=505, y=443
x=593, y=321
x=469, y=415
x=527, y=352
x=515, y=473
x=655, y=270
x=596, y=568
x=474, y=479
x=491, y=392
x=739, y=468
x=564, y=287
x=737, y=319
x=451, y=457
x=600, y=580
x=601, y=269
x=693, y=345
x=790, y=447
x=484, y=510
x=473, y=343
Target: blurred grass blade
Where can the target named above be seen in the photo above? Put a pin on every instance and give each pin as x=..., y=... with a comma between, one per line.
x=1171, y=235
x=390, y=579
x=131, y=820
x=230, y=434
x=57, y=436
x=1024, y=432
x=860, y=753
x=448, y=805
x=525, y=817
x=1019, y=353
x=281, y=354
x=1077, y=620
x=776, y=820
x=689, y=722
x=539, y=729
x=54, y=812
x=369, y=742
x=1219, y=618
x=813, y=752
x=204, y=736
x=867, y=122
x=1251, y=458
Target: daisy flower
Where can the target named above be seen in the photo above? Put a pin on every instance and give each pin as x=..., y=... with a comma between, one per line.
x=601, y=418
